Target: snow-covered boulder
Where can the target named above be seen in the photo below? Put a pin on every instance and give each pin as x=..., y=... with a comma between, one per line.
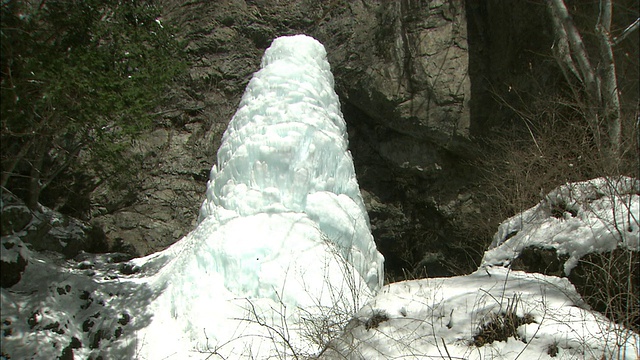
x=574, y=220
x=45, y=229
x=586, y=231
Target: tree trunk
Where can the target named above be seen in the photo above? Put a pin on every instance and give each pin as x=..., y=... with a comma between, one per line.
x=609, y=84
x=599, y=84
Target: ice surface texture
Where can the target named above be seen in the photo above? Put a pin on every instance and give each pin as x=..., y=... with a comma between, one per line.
x=283, y=236
x=287, y=138
x=285, y=150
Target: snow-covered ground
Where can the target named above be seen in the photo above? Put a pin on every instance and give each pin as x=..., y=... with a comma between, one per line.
x=533, y=316
x=283, y=265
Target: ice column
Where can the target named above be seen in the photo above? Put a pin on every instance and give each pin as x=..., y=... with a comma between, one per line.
x=285, y=151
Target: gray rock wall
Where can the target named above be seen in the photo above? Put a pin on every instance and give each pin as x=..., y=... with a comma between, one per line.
x=401, y=71
x=418, y=81
x=404, y=64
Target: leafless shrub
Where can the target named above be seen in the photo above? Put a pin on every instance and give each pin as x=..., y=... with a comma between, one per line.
x=609, y=283
x=503, y=324
x=378, y=317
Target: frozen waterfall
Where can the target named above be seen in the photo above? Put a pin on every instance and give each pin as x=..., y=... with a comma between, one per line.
x=285, y=151
x=283, y=238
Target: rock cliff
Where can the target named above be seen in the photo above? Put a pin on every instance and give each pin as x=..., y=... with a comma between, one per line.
x=401, y=71
x=419, y=82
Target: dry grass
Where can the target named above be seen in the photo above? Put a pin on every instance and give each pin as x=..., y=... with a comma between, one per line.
x=502, y=325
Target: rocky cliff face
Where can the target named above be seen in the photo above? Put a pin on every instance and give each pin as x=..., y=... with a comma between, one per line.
x=419, y=81
x=401, y=70
x=405, y=72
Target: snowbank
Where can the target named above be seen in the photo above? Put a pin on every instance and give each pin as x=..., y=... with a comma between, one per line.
x=575, y=219
x=493, y=313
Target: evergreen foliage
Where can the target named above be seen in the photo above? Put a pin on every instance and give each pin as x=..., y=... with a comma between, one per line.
x=78, y=76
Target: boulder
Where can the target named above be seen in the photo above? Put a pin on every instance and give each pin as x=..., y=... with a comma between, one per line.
x=48, y=230
x=586, y=231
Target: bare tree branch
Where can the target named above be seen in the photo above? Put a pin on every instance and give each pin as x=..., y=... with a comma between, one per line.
x=631, y=28
x=563, y=51
x=609, y=84
x=602, y=109
x=578, y=51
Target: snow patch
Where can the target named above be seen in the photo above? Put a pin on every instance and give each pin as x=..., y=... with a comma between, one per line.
x=576, y=219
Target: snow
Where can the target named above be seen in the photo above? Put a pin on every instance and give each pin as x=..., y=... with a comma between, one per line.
x=282, y=263
x=439, y=319
x=598, y=215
